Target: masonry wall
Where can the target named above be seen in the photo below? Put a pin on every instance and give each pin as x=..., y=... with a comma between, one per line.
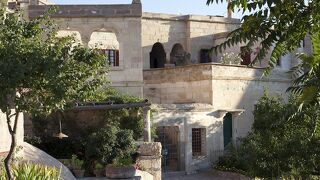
x=199, y=97
x=164, y=28
x=209, y=83
x=192, y=32
x=179, y=85
x=202, y=30
x=123, y=20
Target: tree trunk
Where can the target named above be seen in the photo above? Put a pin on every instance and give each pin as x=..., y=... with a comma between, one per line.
x=13, y=145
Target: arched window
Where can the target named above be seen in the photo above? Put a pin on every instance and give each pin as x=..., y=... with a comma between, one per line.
x=108, y=44
x=178, y=55
x=157, y=56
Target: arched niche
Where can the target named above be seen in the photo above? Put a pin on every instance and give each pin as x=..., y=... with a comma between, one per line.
x=75, y=34
x=178, y=56
x=157, y=56
x=107, y=43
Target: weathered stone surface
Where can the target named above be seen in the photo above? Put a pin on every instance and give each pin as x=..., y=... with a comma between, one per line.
x=150, y=149
x=150, y=158
x=35, y=155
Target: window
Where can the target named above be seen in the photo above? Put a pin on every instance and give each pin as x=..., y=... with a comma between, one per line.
x=245, y=56
x=12, y=5
x=198, y=141
x=112, y=57
x=205, y=56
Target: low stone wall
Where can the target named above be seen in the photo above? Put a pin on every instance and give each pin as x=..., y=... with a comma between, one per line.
x=204, y=83
x=150, y=159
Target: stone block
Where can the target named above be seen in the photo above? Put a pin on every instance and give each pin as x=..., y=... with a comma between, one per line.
x=150, y=149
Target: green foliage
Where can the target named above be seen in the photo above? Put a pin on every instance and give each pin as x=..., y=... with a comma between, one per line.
x=108, y=143
x=280, y=144
x=76, y=163
x=41, y=73
x=307, y=79
x=274, y=25
x=31, y=171
x=48, y=72
x=122, y=161
x=99, y=166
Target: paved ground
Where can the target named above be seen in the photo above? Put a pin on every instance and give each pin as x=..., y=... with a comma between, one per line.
x=204, y=175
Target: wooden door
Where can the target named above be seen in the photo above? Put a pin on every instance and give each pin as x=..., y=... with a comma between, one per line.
x=169, y=138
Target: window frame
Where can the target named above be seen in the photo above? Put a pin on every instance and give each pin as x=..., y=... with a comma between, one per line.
x=198, y=142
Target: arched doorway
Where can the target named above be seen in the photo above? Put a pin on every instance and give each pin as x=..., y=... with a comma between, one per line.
x=157, y=56
x=178, y=55
x=227, y=129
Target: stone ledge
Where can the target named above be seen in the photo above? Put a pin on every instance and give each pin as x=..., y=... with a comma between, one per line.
x=74, y=11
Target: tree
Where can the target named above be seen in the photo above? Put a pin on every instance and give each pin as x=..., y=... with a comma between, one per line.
x=307, y=79
x=277, y=25
x=41, y=73
x=280, y=144
x=280, y=26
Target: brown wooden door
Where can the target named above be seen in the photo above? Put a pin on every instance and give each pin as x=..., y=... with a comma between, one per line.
x=169, y=138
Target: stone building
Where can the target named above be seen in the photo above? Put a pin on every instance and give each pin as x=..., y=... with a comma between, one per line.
x=201, y=105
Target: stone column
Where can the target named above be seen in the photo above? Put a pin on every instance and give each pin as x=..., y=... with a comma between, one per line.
x=147, y=124
x=149, y=159
x=84, y=39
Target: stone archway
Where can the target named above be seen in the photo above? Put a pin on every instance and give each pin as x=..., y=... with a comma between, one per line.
x=178, y=56
x=75, y=34
x=157, y=56
x=108, y=44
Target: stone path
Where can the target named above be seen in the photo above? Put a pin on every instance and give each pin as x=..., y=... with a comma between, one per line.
x=204, y=175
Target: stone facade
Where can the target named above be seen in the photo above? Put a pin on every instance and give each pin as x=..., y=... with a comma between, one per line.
x=191, y=96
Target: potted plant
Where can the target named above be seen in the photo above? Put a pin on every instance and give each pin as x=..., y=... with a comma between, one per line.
x=99, y=170
x=121, y=168
x=77, y=166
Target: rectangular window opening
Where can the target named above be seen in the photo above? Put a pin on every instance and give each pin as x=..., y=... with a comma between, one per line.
x=198, y=141
x=205, y=56
x=112, y=57
x=245, y=55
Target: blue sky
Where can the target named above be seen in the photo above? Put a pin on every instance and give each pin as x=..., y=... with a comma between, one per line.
x=164, y=6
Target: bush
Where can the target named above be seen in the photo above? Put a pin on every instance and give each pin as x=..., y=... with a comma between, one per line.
x=281, y=143
x=76, y=163
x=108, y=143
x=31, y=171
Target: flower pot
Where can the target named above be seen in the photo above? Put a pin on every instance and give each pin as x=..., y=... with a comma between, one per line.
x=78, y=173
x=99, y=172
x=120, y=172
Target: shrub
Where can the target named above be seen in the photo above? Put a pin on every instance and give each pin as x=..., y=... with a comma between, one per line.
x=281, y=143
x=31, y=171
x=76, y=163
x=108, y=143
